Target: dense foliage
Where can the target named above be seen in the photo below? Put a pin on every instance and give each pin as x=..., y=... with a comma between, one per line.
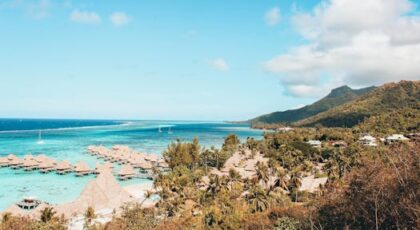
x=390, y=99
x=337, y=97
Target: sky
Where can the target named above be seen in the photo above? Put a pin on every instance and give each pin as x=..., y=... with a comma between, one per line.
x=196, y=60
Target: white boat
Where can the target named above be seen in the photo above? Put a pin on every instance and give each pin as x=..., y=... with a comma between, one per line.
x=40, y=141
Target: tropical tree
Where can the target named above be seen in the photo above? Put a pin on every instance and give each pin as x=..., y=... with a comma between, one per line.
x=281, y=179
x=262, y=172
x=47, y=214
x=257, y=199
x=89, y=217
x=294, y=183
x=183, y=154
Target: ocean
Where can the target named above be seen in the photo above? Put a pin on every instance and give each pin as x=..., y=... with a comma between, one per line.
x=69, y=139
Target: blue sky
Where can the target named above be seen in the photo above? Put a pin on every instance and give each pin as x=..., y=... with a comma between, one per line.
x=201, y=60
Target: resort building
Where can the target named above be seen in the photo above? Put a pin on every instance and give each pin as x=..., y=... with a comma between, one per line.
x=314, y=143
x=284, y=129
x=64, y=167
x=126, y=172
x=4, y=161
x=29, y=164
x=396, y=138
x=82, y=169
x=368, y=140
x=47, y=166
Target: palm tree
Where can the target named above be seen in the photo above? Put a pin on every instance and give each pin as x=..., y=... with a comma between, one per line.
x=6, y=217
x=295, y=183
x=234, y=175
x=258, y=199
x=281, y=179
x=89, y=216
x=147, y=195
x=47, y=214
x=262, y=172
x=331, y=169
x=214, y=186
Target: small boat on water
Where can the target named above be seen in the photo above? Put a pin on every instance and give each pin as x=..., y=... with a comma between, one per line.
x=40, y=141
x=28, y=203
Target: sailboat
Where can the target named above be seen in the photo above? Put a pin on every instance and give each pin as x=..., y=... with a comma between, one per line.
x=169, y=130
x=40, y=141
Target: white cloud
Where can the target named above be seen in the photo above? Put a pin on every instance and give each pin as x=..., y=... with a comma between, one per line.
x=119, y=19
x=219, y=64
x=351, y=43
x=85, y=17
x=272, y=17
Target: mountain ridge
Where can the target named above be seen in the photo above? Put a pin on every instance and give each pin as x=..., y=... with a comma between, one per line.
x=388, y=98
x=336, y=97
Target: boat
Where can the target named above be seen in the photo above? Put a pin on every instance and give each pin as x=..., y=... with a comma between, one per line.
x=28, y=203
x=40, y=141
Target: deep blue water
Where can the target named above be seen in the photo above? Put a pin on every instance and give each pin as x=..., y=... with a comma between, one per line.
x=36, y=124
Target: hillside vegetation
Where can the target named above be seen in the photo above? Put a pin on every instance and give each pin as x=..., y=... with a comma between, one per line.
x=337, y=97
x=384, y=103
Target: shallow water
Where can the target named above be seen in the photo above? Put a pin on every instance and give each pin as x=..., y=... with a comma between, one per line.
x=63, y=142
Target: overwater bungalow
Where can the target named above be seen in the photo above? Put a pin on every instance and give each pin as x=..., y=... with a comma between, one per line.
x=29, y=164
x=145, y=166
x=15, y=163
x=47, y=166
x=4, y=162
x=126, y=172
x=64, y=167
x=82, y=169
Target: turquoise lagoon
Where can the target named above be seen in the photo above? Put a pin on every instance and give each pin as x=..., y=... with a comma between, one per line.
x=63, y=139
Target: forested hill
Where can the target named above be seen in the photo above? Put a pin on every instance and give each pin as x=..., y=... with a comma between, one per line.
x=392, y=98
x=335, y=98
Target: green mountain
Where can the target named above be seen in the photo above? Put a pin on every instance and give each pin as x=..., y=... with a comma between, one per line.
x=337, y=97
x=389, y=100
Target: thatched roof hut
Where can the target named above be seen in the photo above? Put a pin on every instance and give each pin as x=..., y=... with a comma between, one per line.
x=102, y=193
x=126, y=172
x=63, y=167
x=82, y=168
x=29, y=164
x=4, y=161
